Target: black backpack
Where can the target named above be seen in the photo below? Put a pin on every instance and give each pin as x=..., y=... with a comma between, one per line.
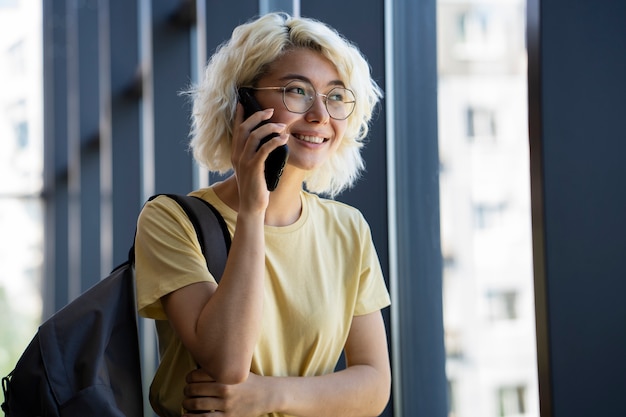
x=84, y=360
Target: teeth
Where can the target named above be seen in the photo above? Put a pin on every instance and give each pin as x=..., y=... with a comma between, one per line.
x=312, y=139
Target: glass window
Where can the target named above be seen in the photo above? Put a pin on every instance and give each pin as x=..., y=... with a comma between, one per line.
x=21, y=156
x=502, y=305
x=512, y=401
x=481, y=123
x=485, y=209
x=488, y=215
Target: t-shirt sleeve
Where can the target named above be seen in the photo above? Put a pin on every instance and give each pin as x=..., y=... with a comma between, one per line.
x=372, y=294
x=167, y=255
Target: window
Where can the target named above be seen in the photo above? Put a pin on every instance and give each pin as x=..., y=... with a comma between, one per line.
x=480, y=36
x=452, y=388
x=473, y=27
x=21, y=134
x=16, y=59
x=485, y=208
x=502, y=305
x=488, y=215
x=512, y=401
x=21, y=218
x=481, y=123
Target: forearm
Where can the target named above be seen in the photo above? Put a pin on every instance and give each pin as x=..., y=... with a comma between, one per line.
x=230, y=321
x=227, y=327
x=360, y=390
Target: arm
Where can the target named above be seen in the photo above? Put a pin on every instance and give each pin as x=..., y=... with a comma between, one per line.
x=224, y=346
x=362, y=389
x=220, y=325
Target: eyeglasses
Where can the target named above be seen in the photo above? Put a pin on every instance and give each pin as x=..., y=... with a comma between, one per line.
x=299, y=96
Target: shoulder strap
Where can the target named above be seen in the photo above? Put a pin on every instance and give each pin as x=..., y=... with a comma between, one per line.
x=211, y=230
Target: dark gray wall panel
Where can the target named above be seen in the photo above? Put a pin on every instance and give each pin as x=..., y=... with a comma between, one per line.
x=576, y=90
x=171, y=72
x=122, y=33
x=55, y=156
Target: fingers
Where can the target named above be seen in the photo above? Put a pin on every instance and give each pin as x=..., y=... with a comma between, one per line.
x=200, y=389
x=201, y=413
x=248, y=158
x=202, y=395
x=201, y=384
x=244, y=128
x=248, y=133
x=198, y=375
x=202, y=406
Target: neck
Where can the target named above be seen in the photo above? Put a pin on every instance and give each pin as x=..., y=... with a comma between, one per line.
x=285, y=204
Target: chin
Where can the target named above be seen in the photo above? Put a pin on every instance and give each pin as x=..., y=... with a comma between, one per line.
x=305, y=164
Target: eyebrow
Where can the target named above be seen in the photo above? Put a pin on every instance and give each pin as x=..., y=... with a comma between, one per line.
x=301, y=77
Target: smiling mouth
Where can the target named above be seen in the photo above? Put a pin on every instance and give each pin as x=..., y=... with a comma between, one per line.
x=310, y=139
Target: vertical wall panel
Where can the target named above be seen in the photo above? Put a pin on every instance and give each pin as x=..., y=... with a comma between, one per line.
x=171, y=74
x=533, y=34
x=55, y=156
x=120, y=127
x=73, y=151
x=216, y=21
x=268, y=6
x=220, y=20
x=87, y=122
x=576, y=90
x=419, y=354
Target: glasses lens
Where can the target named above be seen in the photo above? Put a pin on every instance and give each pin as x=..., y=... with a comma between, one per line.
x=299, y=96
x=340, y=103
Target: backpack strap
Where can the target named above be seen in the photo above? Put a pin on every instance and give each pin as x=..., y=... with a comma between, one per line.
x=211, y=229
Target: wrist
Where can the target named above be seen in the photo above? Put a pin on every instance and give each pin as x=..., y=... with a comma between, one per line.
x=250, y=217
x=276, y=394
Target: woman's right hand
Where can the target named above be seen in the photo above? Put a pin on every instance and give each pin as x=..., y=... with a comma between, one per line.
x=248, y=163
x=207, y=397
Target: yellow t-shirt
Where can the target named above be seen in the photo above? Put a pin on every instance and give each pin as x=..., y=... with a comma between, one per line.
x=320, y=272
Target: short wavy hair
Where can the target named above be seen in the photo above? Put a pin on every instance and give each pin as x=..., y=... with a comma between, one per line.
x=245, y=58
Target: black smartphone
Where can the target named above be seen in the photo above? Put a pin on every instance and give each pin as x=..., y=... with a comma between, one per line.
x=275, y=162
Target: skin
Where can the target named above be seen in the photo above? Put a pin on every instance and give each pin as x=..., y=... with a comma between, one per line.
x=224, y=347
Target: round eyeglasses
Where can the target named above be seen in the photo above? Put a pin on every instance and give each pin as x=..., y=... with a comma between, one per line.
x=299, y=96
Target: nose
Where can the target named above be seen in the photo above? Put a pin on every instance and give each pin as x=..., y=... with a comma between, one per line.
x=318, y=113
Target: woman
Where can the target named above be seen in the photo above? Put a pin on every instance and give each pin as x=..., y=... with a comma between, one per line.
x=302, y=282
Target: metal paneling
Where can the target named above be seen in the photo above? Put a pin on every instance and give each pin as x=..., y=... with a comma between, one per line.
x=55, y=157
x=576, y=91
x=119, y=127
x=419, y=354
x=170, y=59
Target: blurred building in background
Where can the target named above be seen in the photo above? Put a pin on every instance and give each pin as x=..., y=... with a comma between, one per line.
x=21, y=181
x=485, y=209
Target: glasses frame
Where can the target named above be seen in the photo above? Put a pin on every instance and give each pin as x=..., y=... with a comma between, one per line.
x=324, y=98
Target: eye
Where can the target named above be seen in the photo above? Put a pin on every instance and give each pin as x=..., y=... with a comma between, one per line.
x=296, y=89
x=340, y=94
x=336, y=95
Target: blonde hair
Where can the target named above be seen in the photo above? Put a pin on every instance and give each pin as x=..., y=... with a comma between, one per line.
x=244, y=58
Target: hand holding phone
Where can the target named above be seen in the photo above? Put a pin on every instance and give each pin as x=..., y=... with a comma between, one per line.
x=275, y=162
